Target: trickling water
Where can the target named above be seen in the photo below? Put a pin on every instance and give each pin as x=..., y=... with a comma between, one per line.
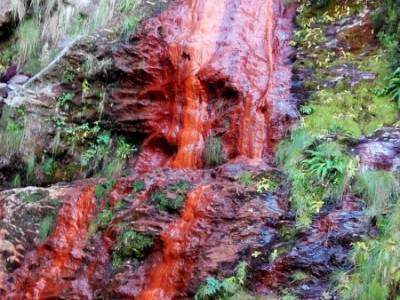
x=202, y=68
x=44, y=271
x=210, y=72
x=170, y=273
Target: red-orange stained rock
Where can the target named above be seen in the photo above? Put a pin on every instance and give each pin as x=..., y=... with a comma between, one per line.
x=204, y=68
x=44, y=271
x=170, y=273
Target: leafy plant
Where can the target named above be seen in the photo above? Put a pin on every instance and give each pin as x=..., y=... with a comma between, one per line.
x=266, y=184
x=131, y=244
x=124, y=149
x=138, y=186
x=86, y=87
x=103, y=188
x=392, y=89
x=223, y=289
x=49, y=167
x=58, y=122
x=65, y=99
x=46, y=226
x=327, y=162
x=173, y=197
x=104, y=218
x=306, y=110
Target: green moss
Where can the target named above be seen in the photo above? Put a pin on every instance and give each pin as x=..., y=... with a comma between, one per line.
x=103, y=188
x=30, y=197
x=173, y=197
x=246, y=179
x=359, y=112
x=104, y=218
x=227, y=288
x=138, y=186
x=131, y=244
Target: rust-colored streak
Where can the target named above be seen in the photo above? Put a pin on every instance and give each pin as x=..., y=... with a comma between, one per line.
x=44, y=271
x=170, y=273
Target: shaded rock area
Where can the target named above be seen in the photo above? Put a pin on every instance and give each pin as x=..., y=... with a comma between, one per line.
x=308, y=262
x=380, y=150
x=6, y=18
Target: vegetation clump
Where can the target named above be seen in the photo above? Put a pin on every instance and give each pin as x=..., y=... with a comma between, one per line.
x=318, y=172
x=172, y=197
x=227, y=288
x=138, y=186
x=130, y=245
x=375, y=275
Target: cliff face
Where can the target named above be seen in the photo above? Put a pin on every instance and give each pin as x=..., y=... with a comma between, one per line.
x=204, y=73
x=156, y=153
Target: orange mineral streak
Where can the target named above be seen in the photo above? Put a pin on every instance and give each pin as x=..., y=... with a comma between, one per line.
x=204, y=49
x=44, y=271
x=170, y=273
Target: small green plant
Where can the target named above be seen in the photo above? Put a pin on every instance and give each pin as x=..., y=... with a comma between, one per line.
x=306, y=110
x=128, y=26
x=173, y=197
x=58, y=122
x=246, y=179
x=65, y=99
x=326, y=162
x=48, y=167
x=104, y=218
x=213, y=152
x=86, y=88
x=223, y=289
x=138, y=186
x=126, y=5
x=266, y=184
x=46, y=226
x=392, y=89
x=123, y=151
x=68, y=77
x=131, y=244
x=103, y=188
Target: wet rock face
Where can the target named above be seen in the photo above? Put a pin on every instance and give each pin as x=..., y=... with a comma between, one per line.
x=380, y=150
x=314, y=254
x=219, y=222
x=222, y=74
x=353, y=34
